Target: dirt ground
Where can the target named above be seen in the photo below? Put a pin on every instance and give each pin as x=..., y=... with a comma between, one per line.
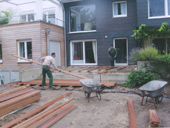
x=110, y=112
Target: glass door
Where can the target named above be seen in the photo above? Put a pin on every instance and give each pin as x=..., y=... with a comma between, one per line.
x=122, y=51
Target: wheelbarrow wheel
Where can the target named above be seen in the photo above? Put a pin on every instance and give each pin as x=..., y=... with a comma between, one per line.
x=158, y=99
x=98, y=95
x=87, y=95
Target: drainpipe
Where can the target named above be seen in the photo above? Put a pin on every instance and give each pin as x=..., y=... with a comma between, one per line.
x=64, y=31
x=47, y=31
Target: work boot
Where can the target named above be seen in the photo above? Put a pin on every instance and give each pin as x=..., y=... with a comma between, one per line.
x=42, y=88
x=52, y=87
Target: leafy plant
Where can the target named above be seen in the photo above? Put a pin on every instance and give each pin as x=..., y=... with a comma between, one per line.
x=161, y=66
x=5, y=16
x=148, y=54
x=143, y=32
x=134, y=56
x=138, y=78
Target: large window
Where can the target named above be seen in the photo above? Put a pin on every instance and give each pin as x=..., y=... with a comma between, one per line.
x=0, y=52
x=84, y=52
x=83, y=18
x=25, y=49
x=159, y=8
x=27, y=18
x=119, y=9
x=162, y=44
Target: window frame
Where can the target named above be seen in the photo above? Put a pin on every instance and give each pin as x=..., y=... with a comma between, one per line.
x=25, y=46
x=84, y=63
x=70, y=32
x=1, y=52
x=165, y=10
x=26, y=20
x=124, y=64
x=117, y=16
x=47, y=12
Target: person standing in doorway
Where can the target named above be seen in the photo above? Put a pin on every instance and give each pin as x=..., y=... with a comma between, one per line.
x=47, y=62
x=112, y=53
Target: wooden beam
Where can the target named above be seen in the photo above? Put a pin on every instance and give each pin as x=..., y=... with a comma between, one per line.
x=41, y=115
x=58, y=117
x=154, y=120
x=12, y=91
x=48, y=117
x=20, y=104
x=12, y=123
x=50, y=67
x=16, y=94
x=132, y=119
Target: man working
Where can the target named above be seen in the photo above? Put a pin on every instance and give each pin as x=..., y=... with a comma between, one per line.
x=112, y=53
x=47, y=62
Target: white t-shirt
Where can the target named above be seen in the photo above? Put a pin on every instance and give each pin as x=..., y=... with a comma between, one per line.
x=48, y=60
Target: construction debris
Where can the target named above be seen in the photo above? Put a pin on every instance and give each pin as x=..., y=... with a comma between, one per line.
x=38, y=118
x=17, y=98
x=154, y=120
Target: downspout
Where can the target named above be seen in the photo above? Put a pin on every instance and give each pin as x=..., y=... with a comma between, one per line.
x=47, y=30
x=64, y=31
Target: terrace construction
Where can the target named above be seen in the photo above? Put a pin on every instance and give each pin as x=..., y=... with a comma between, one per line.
x=24, y=105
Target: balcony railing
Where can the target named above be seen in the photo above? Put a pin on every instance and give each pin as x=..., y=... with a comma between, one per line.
x=29, y=18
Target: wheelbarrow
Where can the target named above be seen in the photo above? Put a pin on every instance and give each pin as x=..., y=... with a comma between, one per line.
x=91, y=85
x=154, y=90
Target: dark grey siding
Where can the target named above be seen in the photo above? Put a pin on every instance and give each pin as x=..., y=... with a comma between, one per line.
x=142, y=15
x=105, y=25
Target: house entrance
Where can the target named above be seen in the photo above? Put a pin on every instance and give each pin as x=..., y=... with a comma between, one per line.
x=55, y=47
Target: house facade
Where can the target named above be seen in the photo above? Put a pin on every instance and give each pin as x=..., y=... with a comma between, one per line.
x=93, y=25
x=35, y=30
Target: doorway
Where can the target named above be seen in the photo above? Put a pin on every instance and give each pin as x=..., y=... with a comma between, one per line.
x=55, y=47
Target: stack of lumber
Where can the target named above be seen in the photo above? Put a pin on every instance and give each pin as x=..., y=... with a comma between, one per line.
x=17, y=98
x=44, y=116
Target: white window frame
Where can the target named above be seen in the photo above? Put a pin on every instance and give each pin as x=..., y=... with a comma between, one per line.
x=116, y=16
x=79, y=31
x=83, y=41
x=158, y=17
x=46, y=12
x=126, y=50
x=1, y=50
x=26, y=14
x=25, y=46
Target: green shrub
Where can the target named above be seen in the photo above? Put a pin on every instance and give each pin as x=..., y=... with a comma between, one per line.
x=161, y=66
x=134, y=56
x=148, y=54
x=138, y=78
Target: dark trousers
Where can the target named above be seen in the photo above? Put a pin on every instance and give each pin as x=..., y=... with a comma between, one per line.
x=46, y=70
x=112, y=61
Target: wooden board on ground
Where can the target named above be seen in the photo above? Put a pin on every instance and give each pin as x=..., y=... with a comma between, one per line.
x=67, y=82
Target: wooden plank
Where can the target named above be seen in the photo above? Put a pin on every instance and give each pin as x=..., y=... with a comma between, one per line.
x=40, y=115
x=49, y=116
x=12, y=91
x=18, y=99
x=132, y=119
x=154, y=117
x=58, y=117
x=10, y=124
x=16, y=94
x=120, y=68
x=50, y=67
x=68, y=82
x=20, y=104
